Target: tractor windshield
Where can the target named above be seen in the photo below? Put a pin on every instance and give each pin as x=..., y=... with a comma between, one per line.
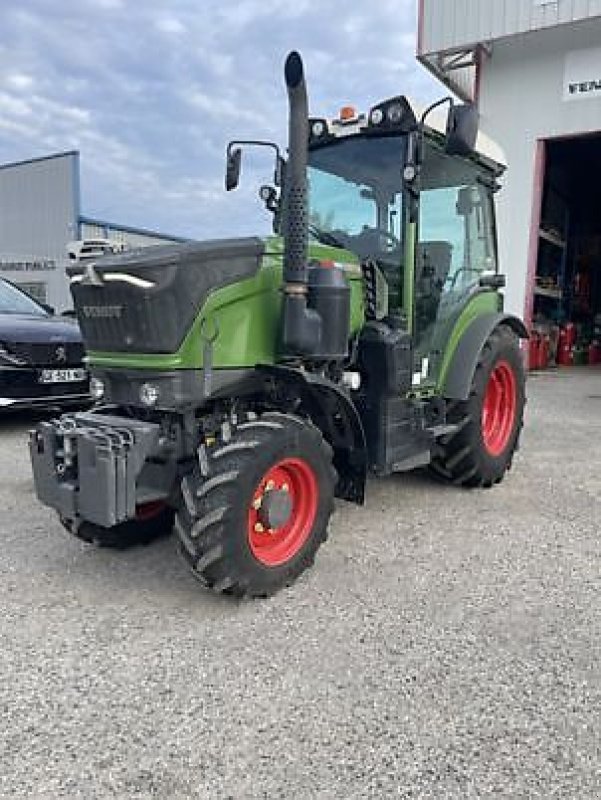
x=355, y=198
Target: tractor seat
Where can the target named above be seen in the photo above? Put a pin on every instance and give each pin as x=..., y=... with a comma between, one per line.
x=434, y=262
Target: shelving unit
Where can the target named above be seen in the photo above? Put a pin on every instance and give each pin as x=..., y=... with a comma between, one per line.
x=552, y=238
x=545, y=291
x=552, y=264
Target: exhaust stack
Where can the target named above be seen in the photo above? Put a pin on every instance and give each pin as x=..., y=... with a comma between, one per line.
x=296, y=232
x=301, y=327
x=316, y=303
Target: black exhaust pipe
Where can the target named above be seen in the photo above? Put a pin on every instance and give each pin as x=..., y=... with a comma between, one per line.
x=316, y=304
x=301, y=327
x=296, y=232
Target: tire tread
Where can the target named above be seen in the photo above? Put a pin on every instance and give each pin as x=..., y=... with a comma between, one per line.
x=459, y=459
x=204, y=527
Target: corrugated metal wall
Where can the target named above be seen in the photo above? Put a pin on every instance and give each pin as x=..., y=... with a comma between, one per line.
x=134, y=239
x=448, y=24
x=37, y=206
x=124, y=235
x=89, y=230
x=38, y=216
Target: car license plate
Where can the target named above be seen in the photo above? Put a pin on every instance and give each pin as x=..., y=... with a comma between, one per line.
x=62, y=375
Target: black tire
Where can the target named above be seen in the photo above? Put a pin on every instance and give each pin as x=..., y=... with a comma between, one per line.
x=214, y=522
x=463, y=457
x=126, y=534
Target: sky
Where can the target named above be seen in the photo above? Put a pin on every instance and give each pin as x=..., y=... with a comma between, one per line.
x=151, y=92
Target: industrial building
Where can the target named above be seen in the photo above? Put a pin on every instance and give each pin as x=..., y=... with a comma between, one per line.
x=40, y=213
x=534, y=69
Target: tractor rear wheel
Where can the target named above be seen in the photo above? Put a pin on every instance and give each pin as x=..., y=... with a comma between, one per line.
x=480, y=451
x=152, y=521
x=255, y=508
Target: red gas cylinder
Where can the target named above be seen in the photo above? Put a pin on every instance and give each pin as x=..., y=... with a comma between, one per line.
x=565, y=345
x=534, y=351
x=594, y=353
x=565, y=355
x=570, y=333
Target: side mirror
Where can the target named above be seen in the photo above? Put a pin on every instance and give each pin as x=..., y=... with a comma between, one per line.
x=468, y=198
x=232, y=173
x=462, y=130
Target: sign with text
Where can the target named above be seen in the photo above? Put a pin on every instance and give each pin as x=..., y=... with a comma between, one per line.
x=28, y=265
x=582, y=75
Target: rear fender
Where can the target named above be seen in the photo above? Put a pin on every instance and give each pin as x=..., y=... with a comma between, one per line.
x=458, y=379
x=332, y=411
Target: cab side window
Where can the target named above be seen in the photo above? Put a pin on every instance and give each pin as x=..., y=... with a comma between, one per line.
x=456, y=234
x=456, y=244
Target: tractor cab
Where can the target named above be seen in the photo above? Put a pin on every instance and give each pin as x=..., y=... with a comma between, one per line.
x=420, y=217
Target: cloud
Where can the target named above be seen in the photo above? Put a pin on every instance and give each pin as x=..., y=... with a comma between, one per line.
x=170, y=25
x=18, y=81
x=105, y=5
x=151, y=92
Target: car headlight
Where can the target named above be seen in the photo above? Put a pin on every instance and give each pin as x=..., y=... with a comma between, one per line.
x=97, y=388
x=11, y=358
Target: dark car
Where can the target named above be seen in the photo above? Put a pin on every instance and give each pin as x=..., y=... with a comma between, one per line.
x=41, y=355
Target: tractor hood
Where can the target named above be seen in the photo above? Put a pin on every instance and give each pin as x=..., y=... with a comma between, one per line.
x=145, y=301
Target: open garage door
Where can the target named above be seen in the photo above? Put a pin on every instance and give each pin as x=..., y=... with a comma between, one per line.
x=566, y=288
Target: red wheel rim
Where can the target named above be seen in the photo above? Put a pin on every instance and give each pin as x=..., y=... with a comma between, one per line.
x=499, y=408
x=275, y=546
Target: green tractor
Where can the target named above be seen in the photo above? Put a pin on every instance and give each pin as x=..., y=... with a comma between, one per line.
x=244, y=384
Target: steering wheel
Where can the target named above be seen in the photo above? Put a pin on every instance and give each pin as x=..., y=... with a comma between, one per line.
x=371, y=241
x=390, y=237
x=331, y=238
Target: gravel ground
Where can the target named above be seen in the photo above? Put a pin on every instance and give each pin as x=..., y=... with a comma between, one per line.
x=445, y=645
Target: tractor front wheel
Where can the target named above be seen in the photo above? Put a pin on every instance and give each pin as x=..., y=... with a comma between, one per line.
x=255, y=508
x=488, y=423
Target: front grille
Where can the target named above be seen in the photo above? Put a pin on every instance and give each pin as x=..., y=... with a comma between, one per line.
x=44, y=354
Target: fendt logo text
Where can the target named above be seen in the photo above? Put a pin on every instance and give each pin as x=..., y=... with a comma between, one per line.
x=102, y=312
x=584, y=87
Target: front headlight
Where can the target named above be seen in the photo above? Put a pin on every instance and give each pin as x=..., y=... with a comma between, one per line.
x=8, y=358
x=97, y=388
x=394, y=113
x=149, y=394
x=318, y=128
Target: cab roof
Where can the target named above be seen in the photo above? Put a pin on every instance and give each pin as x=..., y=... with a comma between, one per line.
x=349, y=123
x=485, y=146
